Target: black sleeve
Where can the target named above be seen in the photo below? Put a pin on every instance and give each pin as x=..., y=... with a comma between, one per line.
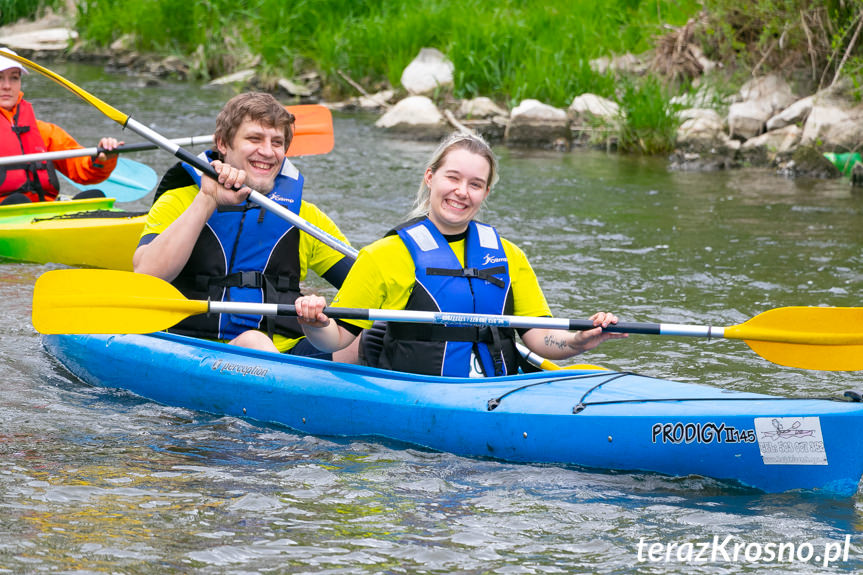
x=175, y=177
x=339, y=271
x=147, y=239
x=354, y=329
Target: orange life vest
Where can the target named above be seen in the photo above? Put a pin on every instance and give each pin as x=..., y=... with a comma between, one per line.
x=37, y=180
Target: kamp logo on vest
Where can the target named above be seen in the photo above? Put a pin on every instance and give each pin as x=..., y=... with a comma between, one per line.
x=490, y=259
x=276, y=197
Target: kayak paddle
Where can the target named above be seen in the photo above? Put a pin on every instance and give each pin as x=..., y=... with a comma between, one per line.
x=128, y=122
x=313, y=135
x=108, y=301
x=776, y=342
x=129, y=181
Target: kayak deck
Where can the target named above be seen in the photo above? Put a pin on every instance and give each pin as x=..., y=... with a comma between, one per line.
x=596, y=419
x=77, y=233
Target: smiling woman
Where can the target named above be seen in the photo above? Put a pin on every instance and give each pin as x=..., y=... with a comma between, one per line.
x=456, y=183
x=442, y=259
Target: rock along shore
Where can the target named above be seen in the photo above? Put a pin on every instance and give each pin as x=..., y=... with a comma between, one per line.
x=765, y=124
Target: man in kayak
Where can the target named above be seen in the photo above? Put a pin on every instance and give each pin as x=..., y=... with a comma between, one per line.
x=442, y=259
x=22, y=133
x=203, y=236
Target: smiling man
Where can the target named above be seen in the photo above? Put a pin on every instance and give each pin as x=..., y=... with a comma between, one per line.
x=206, y=239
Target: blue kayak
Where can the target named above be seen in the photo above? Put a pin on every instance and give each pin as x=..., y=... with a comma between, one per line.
x=591, y=418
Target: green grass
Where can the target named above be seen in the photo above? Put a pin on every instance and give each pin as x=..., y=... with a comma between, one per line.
x=505, y=49
x=14, y=10
x=508, y=50
x=651, y=123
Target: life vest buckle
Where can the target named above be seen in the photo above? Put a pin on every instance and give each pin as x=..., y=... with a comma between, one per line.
x=251, y=279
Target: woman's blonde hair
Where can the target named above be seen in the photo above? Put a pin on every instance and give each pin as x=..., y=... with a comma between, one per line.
x=456, y=141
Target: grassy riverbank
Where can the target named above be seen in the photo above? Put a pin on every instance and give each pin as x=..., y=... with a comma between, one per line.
x=508, y=50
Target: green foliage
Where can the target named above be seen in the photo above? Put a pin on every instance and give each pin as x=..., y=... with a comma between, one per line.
x=162, y=25
x=649, y=119
x=809, y=39
x=14, y=10
x=506, y=49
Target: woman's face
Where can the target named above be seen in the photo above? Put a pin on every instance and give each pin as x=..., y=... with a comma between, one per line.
x=10, y=87
x=457, y=190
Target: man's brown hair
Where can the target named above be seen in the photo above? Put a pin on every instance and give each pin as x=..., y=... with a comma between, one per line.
x=258, y=107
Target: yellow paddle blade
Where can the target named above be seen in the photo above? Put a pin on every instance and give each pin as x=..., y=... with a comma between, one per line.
x=548, y=365
x=313, y=130
x=106, y=109
x=107, y=301
x=584, y=367
x=828, y=338
x=825, y=357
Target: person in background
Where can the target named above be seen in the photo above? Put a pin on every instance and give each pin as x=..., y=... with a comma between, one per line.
x=206, y=239
x=442, y=259
x=22, y=133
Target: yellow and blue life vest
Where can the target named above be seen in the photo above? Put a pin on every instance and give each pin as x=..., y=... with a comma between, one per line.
x=482, y=285
x=245, y=254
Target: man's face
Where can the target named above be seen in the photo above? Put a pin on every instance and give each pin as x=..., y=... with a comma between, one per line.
x=259, y=151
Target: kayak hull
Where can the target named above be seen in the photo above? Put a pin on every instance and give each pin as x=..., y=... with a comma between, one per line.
x=44, y=232
x=627, y=423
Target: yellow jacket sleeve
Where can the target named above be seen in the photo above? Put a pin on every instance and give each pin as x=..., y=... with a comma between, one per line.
x=383, y=277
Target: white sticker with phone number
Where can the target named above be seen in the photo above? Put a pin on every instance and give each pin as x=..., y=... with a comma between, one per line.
x=790, y=440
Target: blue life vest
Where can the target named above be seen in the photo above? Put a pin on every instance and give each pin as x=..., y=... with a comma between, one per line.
x=442, y=284
x=245, y=254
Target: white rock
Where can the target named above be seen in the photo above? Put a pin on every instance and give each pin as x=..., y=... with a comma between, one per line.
x=590, y=105
x=428, y=71
x=535, y=110
x=833, y=126
x=416, y=114
x=533, y=123
x=481, y=107
x=796, y=113
x=377, y=100
x=48, y=39
x=293, y=88
x=776, y=141
x=746, y=119
x=771, y=90
x=701, y=129
x=240, y=77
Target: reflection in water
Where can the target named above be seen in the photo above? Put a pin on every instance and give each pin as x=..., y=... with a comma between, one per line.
x=96, y=480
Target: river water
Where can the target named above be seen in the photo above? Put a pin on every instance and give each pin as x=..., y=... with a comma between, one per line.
x=101, y=481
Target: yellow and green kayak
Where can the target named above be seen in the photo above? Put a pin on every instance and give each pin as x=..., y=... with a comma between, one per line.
x=87, y=232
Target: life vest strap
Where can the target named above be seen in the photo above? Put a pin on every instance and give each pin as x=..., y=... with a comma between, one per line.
x=423, y=332
x=249, y=279
x=483, y=274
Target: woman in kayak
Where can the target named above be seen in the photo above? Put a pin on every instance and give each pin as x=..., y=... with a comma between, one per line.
x=442, y=259
x=22, y=133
